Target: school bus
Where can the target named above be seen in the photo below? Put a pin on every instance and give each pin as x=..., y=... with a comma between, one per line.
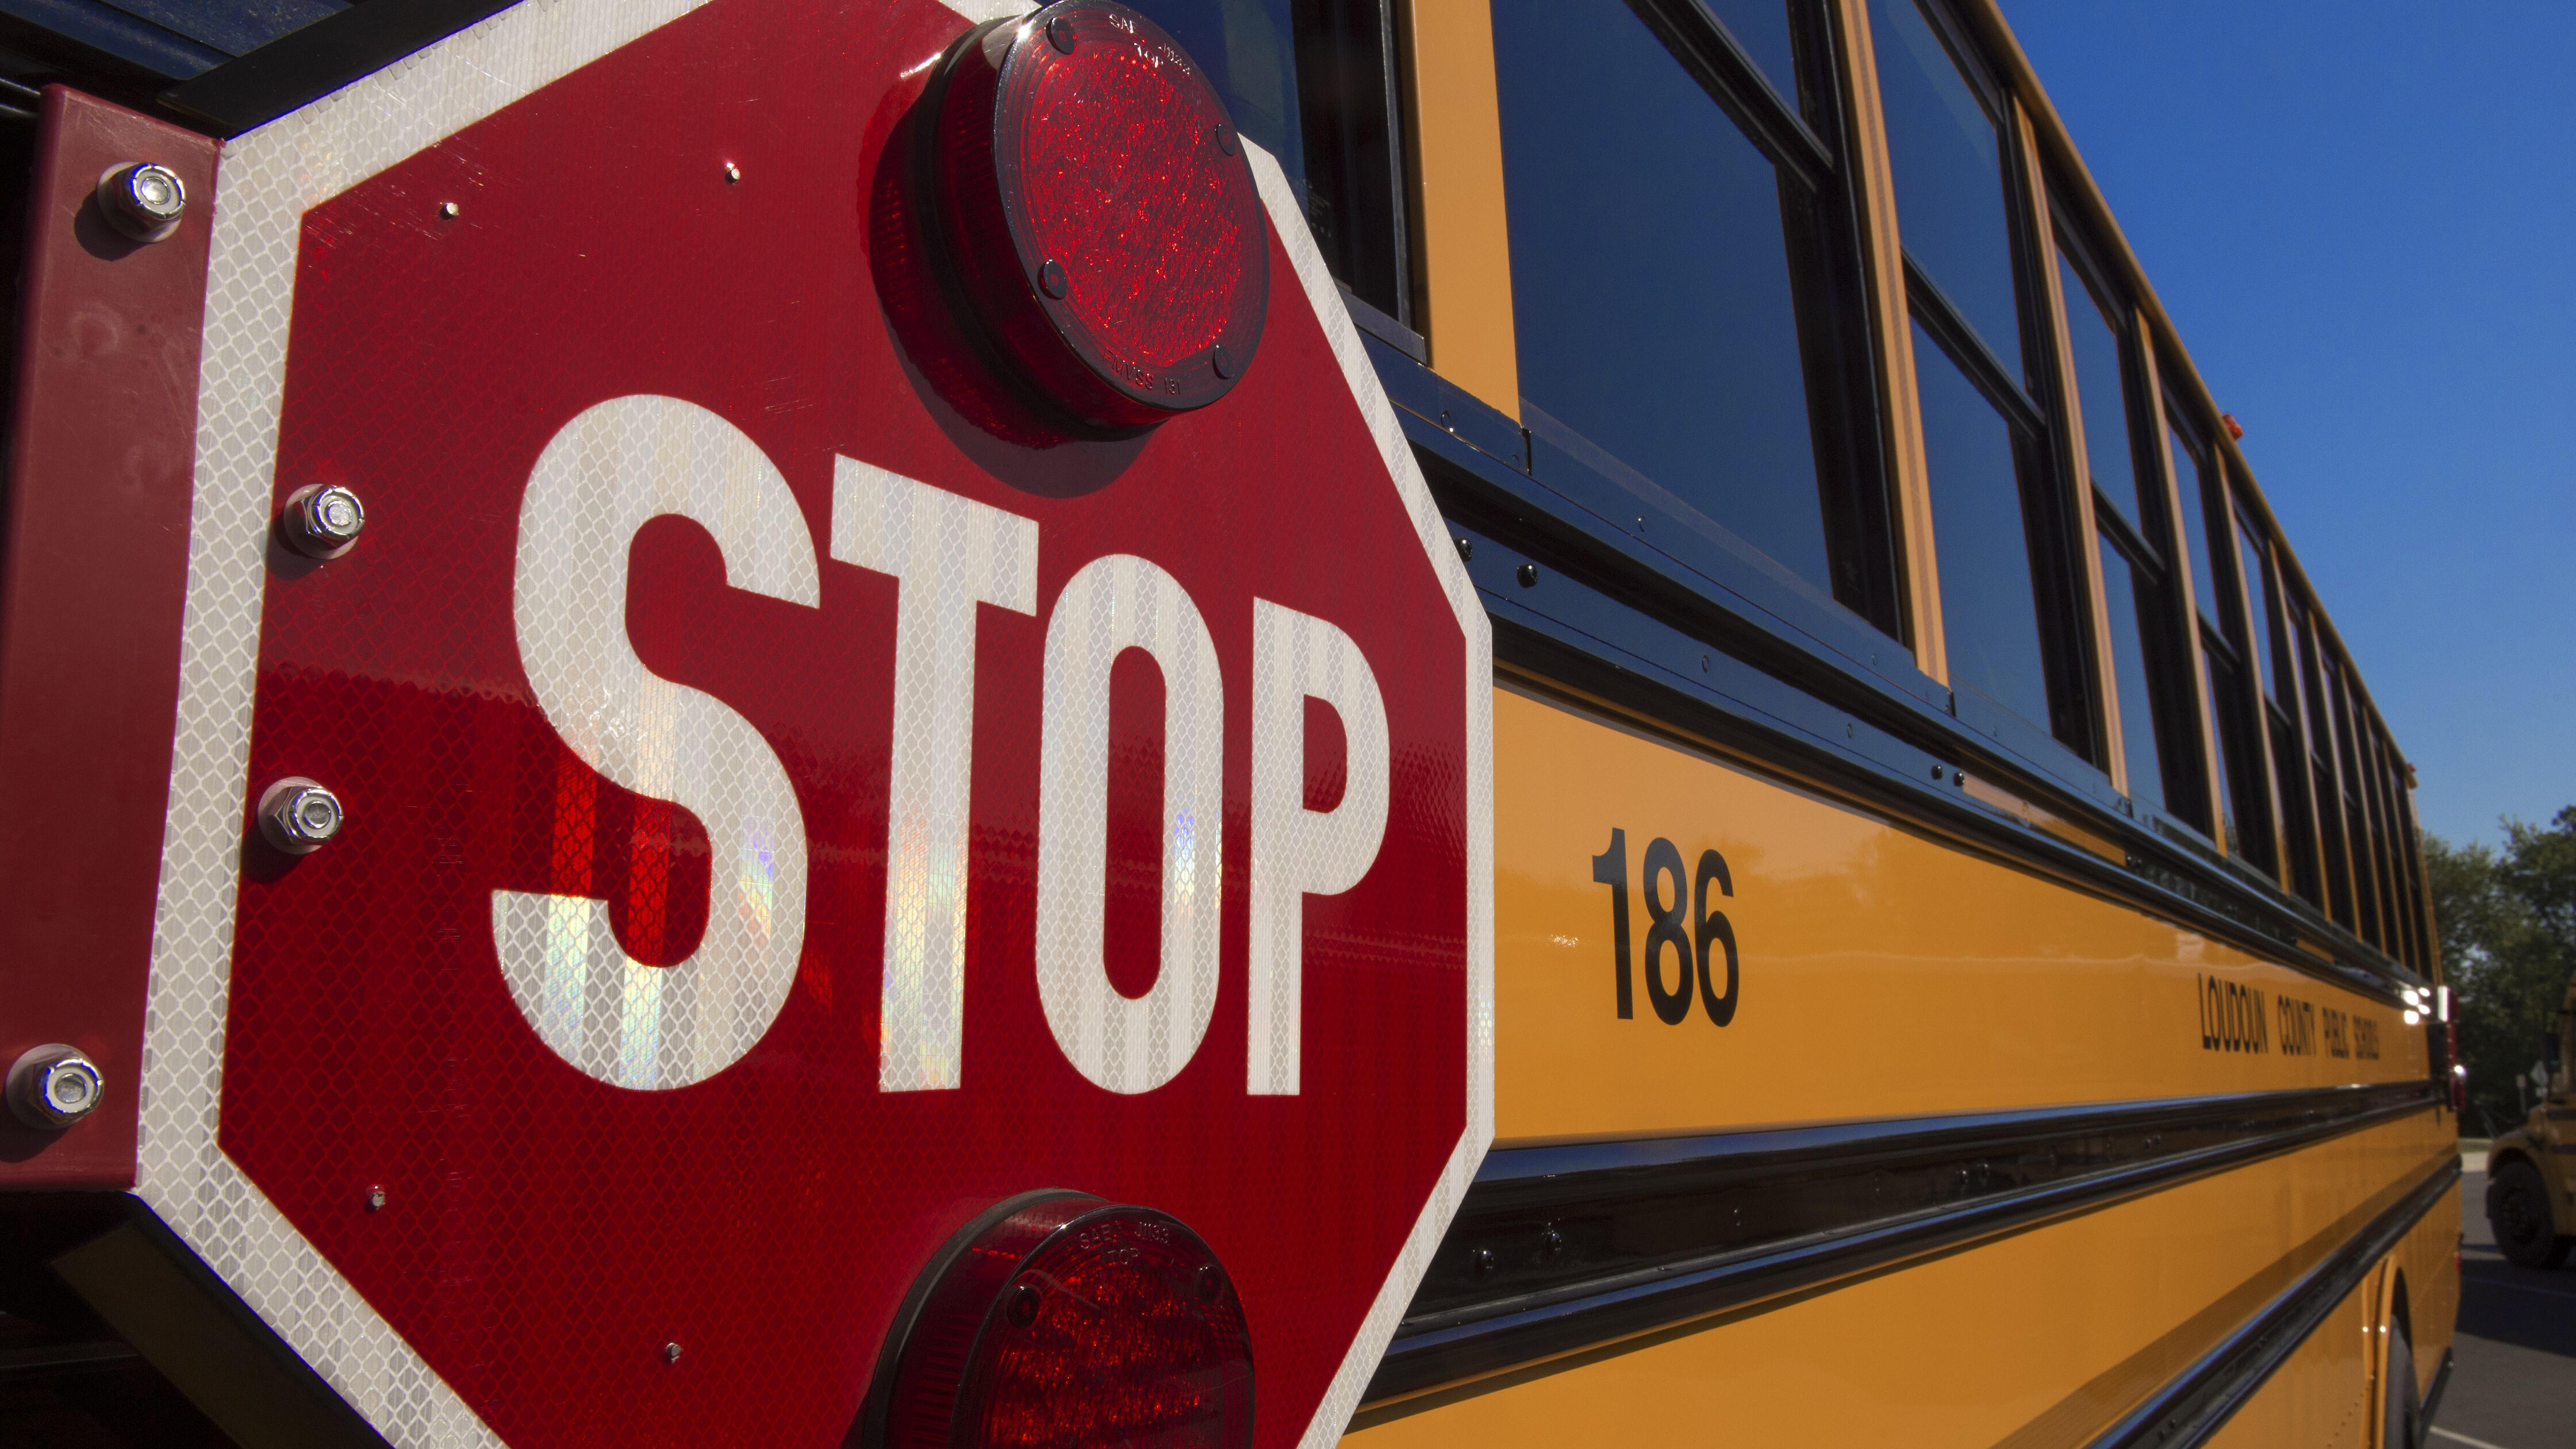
x=1962, y=973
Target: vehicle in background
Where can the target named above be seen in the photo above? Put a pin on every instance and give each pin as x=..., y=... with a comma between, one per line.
x=2531, y=1170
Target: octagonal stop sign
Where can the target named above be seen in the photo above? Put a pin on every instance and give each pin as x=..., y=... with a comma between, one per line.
x=792, y=801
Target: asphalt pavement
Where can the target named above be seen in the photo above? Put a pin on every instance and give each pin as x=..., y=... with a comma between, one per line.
x=2513, y=1385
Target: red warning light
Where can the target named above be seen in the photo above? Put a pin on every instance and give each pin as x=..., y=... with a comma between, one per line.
x=1058, y=1321
x=1092, y=204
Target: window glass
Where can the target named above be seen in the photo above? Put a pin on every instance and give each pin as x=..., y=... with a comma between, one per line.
x=2338, y=868
x=1651, y=274
x=1761, y=27
x=2258, y=597
x=1353, y=165
x=2102, y=400
x=1947, y=157
x=2126, y=600
x=2220, y=677
x=1989, y=611
x=2190, y=481
x=2298, y=829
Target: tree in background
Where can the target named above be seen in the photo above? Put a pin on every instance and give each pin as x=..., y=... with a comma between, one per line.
x=2507, y=921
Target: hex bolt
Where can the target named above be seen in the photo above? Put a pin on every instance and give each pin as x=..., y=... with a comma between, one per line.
x=323, y=520
x=142, y=200
x=670, y=1353
x=298, y=816
x=53, y=1086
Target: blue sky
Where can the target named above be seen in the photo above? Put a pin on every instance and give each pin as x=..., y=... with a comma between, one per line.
x=2362, y=219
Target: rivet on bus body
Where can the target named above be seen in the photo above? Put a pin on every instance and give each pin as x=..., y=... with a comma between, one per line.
x=1529, y=576
x=1466, y=549
x=670, y=1353
x=142, y=200
x=1483, y=1261
x=323, y=520
x=375, y=1199
x=53, y=1086
x=732, y=173
x=450, y=210
x=1550, y=1243
x=298, y=816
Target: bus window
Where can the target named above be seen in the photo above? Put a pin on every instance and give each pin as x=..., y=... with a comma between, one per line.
x=2321, y=776
x=1350, y=111
x=2225, y=704
x=2148, y=676
x=1668, y=292
x=1989, y=607
x=2101, y=395
x=2258, y=601
x=2190, y=475
x=2356, y=821
x=2126, y=595
x=1946, y=157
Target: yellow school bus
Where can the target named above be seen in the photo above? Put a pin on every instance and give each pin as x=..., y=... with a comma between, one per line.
x=1963, y=973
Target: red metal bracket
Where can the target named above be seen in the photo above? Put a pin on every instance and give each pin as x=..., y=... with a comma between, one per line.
x=93, y=582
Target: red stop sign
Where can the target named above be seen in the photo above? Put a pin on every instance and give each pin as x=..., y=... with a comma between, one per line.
x=784, y=817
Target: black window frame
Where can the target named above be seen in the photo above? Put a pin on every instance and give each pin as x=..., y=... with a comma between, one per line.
x=2061, y=584
x=2147, y=543
x=1361, y=190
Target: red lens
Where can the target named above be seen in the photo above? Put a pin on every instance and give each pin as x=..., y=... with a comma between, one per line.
x=1067, y=1321
x=1100, y=218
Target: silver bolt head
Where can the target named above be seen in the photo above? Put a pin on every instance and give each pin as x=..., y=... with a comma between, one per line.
x=323, y=520
x=143, y=200
x=299, y=816
x=53, y=1086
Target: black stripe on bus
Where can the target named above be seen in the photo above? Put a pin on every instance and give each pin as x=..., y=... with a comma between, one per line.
x=2197, y=1403
x=1561, y=1248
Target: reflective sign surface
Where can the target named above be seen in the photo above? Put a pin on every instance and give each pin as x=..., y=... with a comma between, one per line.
x=784, y=816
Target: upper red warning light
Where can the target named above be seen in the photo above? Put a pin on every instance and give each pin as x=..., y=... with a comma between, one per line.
x=1099, y=218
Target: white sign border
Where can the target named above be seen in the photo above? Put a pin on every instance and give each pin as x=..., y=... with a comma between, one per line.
x=266, y=181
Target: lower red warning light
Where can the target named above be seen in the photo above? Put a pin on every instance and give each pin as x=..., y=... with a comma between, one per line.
x=1057, y=1319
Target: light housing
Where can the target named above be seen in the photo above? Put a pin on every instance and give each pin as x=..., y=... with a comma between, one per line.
x=1059, y=1320
x=1090, y=206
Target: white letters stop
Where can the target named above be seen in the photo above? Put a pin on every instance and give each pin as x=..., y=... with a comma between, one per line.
x=624, y=462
